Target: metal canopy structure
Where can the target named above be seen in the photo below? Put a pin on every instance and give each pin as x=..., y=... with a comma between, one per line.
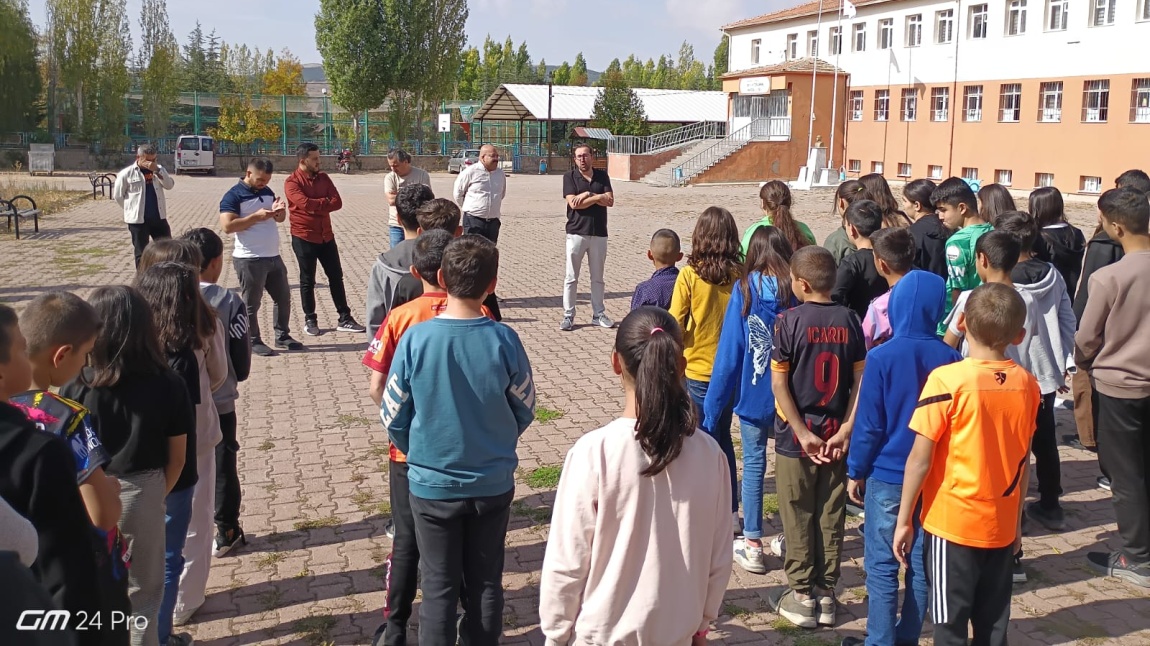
x=516, y=102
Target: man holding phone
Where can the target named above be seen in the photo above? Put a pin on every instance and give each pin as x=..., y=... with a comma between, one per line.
x=251, y=211
x=139, y=190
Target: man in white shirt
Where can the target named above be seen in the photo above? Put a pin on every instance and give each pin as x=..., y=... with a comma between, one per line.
x=402, y=172
x=139, y=190
x=479, y=192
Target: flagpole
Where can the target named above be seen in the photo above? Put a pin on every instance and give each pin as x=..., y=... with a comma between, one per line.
x=835, y=99
x=814, y=78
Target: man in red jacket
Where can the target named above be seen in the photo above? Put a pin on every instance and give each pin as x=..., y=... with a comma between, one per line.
x=312, y=198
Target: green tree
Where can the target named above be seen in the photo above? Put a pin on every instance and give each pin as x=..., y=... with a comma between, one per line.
x=243, y=122
x=578, y=71
x=431, y=60
x=158, y=62
x=664, y=74
x=355, y=38
x=541, y=71
x=722, y=57
x=468, y=87
x=691, y=73
x=19, y=69
x=107, y=105
x=618, y=109
x=285, y=77
x=562, y=74
x=633, y=72
x=613, y=68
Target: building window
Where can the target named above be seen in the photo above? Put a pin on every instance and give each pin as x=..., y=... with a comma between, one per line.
x=792, y=46
x=935, y=172
x=812, y=44
x=909, y=110
x=881, y=105
x=1010, y=102
x=858, y=39
x=856, y=105
x=876, y=167
x=978, y=21
x=1089, y=184
x=1095, y=101
x=904, y=169
x=1056, y=12
x=1043, y=179
x=940, y=104
x=1050, y=102
x=1140, y=99
x=969, y=173
x=1004, y=177
x=1016, y=18
x=914, y=30
x=756, y=45
x=944, y=26
x=886, y=33
x=836, y=41
x=972, y=103
x=1102, y=12
x=854, y=165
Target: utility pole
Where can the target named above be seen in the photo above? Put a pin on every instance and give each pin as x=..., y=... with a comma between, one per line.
x=549, y=95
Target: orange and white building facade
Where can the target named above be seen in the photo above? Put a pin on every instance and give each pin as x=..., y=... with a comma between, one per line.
x=1024, y=93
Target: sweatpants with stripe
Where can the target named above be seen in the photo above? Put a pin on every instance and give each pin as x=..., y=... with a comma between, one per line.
x=970, y=588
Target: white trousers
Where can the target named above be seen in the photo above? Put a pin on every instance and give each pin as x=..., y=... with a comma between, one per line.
x=595, y=248
x=201, y=537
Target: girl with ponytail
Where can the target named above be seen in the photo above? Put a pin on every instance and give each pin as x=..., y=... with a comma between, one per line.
x=775, y=200
x=641, y=502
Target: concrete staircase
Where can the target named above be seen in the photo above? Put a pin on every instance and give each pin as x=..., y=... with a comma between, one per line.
x=661, y=176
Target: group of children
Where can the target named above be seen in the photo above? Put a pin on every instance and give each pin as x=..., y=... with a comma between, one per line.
x=118, y=440
x=910, y=365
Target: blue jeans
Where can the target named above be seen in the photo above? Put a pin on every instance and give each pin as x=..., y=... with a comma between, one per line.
x=754, y=472
x=885, y=625
x=722, y=434
x=176, y=520
x=396, y=235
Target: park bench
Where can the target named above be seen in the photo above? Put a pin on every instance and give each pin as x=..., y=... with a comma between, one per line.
x=13, y=210
x=102, y=182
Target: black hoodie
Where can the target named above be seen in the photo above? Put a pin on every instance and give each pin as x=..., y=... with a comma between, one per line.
x=1101, y=252
x=1063, y=246
x=930, y=244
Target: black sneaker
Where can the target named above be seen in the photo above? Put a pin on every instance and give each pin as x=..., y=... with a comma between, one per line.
x=289, y=343
x=1103, y=483
x=377, y=639
x=349, y=325
x=311, y=327
x=260, y=348
x=228, y=540
x=1018, y=574
x=1115, y=564
x=1051, y=519
x=389, y=529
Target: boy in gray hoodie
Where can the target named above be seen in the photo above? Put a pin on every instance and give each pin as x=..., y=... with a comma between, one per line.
x=1047, y=352
x=391, y=283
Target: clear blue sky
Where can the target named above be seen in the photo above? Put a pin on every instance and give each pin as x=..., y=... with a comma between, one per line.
x=554, y=29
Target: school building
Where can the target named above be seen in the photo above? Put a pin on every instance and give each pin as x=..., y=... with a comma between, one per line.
x=1024, y=93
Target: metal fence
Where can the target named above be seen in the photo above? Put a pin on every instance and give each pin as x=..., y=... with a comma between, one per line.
x=628, y=145
x=764, y=129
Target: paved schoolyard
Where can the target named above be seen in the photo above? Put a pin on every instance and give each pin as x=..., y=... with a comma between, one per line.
x=314, y=458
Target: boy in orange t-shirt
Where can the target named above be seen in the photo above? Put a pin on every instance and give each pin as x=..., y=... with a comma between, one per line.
x=403, y=562
x=974, y=423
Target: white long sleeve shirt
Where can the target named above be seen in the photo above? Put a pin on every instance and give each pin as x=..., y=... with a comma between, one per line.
x=480, y=192
x=631, y=559
x=130, y=191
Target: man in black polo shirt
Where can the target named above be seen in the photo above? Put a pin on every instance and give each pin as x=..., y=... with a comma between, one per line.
x=587, y=192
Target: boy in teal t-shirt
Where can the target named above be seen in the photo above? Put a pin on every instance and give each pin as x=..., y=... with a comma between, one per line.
x=958, y=209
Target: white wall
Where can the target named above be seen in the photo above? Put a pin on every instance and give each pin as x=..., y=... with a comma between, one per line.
x=1080, y=50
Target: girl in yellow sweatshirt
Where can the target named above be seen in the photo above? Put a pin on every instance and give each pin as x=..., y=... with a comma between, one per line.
x=699, y=304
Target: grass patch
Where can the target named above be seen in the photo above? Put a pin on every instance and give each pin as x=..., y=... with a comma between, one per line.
x=784, y=627
x=770, y=503
x=50, y=197
x=537, y=515
x=270, y=559
x=543, y=414
x=358, y=477
x=807, y=639
x=362, y=499
x=271, y=487
x=736, y=611
x=316, y=523
x=266, y=445
x=271, y=599
x=353, y=420
x=379, y=452
x=79, y=262
x=315, y=630
x=305, y=572
x=544, y=477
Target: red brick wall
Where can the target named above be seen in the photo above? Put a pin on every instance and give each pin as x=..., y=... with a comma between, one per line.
x=633, y=168
x=758, y=161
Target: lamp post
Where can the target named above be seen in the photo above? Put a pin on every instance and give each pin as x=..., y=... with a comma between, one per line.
x=326, y=133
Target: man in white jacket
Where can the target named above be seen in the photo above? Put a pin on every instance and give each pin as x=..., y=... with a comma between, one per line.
x=139, y=189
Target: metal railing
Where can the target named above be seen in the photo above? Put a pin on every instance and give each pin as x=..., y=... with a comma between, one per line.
x=765, y=129
x=628, y=145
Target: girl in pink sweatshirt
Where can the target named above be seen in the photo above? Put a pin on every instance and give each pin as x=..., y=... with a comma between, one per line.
x=640, y=544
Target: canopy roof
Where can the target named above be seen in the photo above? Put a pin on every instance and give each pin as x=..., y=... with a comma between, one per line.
x=514, y=102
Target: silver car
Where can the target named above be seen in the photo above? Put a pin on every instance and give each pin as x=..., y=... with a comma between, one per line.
x=462, y=159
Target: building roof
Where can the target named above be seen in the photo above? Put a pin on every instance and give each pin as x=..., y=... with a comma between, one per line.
x=514, y=102
x=829, y=8
x=796, y=66
x=594, y=133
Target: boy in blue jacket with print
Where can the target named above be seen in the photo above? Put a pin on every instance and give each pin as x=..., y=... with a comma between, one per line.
x=880, y=443
x=457, y=398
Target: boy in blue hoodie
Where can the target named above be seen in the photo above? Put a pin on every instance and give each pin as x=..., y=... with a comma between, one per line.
x=458, y=396
x=894, y=375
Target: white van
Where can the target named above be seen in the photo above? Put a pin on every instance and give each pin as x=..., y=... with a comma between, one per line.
x=196, y=153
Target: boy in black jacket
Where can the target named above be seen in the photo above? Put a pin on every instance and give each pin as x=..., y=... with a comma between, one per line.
x=38, y=479
x=858, y=282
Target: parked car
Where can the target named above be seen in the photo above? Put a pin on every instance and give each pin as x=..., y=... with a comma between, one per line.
x=195, y=153
x=463, y=159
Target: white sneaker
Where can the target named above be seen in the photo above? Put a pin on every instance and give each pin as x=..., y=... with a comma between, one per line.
x=568, y=324
x=779, y=545
x=749, y=558
x=181, y=618
x=603, y=321
x=827, y=607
